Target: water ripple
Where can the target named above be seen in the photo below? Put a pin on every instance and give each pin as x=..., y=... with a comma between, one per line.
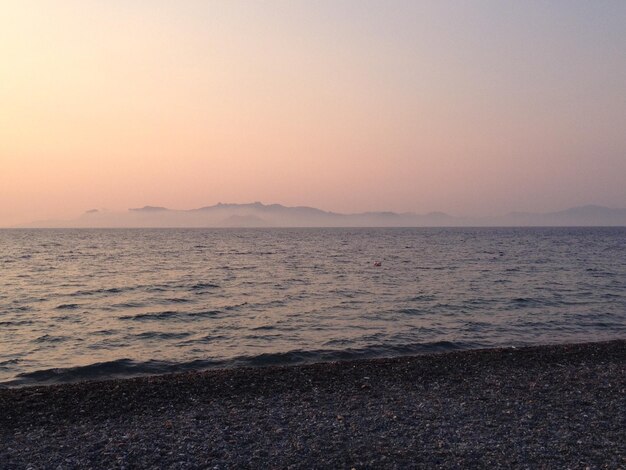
x=79, y=304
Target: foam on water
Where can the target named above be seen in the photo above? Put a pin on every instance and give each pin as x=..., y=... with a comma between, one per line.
x=97, y=304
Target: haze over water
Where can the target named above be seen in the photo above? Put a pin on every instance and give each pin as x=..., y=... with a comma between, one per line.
x=79, y=304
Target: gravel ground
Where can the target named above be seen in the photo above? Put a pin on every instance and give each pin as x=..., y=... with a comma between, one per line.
x=540, y=407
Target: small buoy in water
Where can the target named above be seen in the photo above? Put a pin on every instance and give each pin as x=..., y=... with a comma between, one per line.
x=378, y=263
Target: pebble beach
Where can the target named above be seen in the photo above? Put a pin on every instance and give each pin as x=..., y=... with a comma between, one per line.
x=559, y=406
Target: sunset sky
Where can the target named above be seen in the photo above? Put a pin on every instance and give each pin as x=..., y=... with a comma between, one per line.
x=467, y=107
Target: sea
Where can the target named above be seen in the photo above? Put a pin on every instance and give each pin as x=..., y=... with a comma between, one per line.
x=109, y=303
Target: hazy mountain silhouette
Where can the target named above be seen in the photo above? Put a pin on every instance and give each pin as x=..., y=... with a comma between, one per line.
x=575, y=216
x=276, y=215
x=149, y=209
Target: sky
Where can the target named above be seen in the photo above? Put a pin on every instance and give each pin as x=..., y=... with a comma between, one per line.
x=472, y=108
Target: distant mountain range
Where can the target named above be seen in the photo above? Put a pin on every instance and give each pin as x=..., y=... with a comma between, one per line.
x=276, y=215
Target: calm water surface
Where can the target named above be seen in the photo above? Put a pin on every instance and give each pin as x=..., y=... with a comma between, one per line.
x=82, y=304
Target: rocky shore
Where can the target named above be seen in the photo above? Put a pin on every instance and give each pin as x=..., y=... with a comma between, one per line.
x=539, y=407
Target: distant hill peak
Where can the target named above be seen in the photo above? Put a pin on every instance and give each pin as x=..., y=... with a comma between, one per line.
x=149, y=209
x=229, y=205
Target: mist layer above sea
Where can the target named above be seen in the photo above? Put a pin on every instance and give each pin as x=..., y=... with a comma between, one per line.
x=81, y=304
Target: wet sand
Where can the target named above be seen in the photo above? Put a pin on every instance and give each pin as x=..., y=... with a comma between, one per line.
x=539, y=407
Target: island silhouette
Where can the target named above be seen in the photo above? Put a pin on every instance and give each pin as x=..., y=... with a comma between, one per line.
x=257, y=214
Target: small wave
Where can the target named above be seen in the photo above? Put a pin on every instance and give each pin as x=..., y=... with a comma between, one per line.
x=204, y=313
x=521, y=302
x=150, y=316
x=239, y=268
x=601, y=274
x=262, y=337
x=50, y=339
x=126, y=368
x=204, y=285
x=171, y=314
x=159, y=335
x=105, y=332
x=120, y=368
x=337, y=342
x=9, y=362
x=235, y=307
x=422, y=298
x=51, y=244
x=112, y=290
x=475, y=326
x=331, y=355
x=177, y=300
x=21, y=308
x=16, y=322
x=261, y=305
x=207, y=339
x=263, y=327
x=68, y=317
x=410, y=311
x=128, y=305
x=67, y=306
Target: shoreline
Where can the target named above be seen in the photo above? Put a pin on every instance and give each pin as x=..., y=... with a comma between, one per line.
x=552, y=406
x=119, y=370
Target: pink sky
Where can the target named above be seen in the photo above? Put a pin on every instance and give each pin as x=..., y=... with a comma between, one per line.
x=348, y=106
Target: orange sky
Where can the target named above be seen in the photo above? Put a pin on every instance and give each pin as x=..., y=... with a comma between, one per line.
x=344, y=105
